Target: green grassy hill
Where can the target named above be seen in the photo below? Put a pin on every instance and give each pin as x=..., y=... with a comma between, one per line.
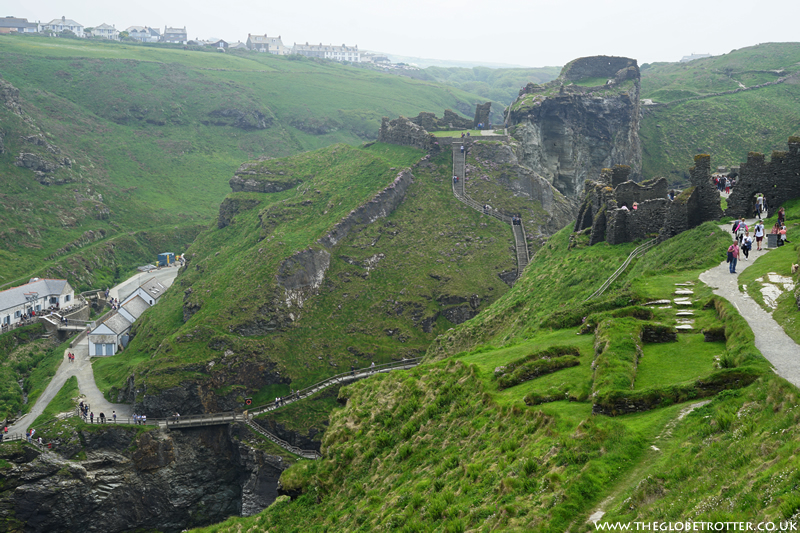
x=391, y=287
x=496, y=431
x=131, y=137
x=726, y=126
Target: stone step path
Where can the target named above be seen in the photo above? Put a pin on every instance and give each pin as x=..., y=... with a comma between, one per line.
x=459, y=190
x=306, y=454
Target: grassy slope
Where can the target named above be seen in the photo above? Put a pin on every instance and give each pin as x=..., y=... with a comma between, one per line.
x=430, y=260
x=439, y=448
x=728, y=126
x=135, y=119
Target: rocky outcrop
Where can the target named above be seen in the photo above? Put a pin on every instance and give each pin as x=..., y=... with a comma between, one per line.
x=245, y=119
x=230, y=207
x=403, y=132
x=569, y=132
x=301, y=275
x=165, y=481
x=523, y=182
x=381, y=205
x=88, y=237
x=254, y=176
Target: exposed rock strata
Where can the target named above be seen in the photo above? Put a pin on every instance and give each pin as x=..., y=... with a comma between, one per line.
x=569, y=132
x=166, y=481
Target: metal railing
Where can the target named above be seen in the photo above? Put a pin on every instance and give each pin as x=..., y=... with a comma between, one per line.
x=306, y=454
x=459, y=191
x=639, y=250
x=344, y=377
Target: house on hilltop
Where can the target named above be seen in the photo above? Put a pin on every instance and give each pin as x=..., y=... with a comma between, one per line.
x=35, y=296
x=106, y=32
x=64, y=24
x=144, y=34
x=14, y=24
x=175, y=35
x=265, y=43
x=109, y=335
x=337, y=53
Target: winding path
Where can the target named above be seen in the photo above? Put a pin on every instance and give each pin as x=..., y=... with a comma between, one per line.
x=82, y=367
x=775, y=345
x=459, y=190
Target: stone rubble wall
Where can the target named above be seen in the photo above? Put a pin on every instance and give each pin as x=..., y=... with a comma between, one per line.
x=778, y=180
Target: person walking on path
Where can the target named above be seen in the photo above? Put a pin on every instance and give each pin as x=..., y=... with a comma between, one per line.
x=759, y=235
x=733, y=256
x=741, y=229
x=747, y=245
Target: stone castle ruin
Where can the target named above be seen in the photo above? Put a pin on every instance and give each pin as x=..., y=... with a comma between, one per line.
x=601, y=210
x=608, y=207
x=778, y=180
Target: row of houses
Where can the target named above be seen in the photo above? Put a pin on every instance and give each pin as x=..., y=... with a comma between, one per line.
x=148, y=34
x=113, y=333
x=144, y=34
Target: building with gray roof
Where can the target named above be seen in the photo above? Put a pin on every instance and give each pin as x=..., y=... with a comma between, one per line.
x=34, y=297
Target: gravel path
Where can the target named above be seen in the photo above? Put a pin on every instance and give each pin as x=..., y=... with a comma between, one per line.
x=775, y=345
x=82, y=367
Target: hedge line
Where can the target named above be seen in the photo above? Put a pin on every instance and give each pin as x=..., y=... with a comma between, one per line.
x=534, y=369
x=619, y=402
x=547, y=353
x=573, y=316
x=617, y=350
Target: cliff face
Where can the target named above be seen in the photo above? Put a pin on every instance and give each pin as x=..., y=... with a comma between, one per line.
x=580, y=123
x=166, y=481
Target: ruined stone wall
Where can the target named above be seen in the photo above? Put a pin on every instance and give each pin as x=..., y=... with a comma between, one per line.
x=778, y=180
x=628, y=192
x=449, y=121
x=628, y=226
x=482, y=112
x=403, y=132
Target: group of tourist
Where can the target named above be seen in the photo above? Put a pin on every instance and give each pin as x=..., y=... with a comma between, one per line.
x=70, y=357
x=724, y=183
x=743, y=242
x=516, y=220
x=139, y=420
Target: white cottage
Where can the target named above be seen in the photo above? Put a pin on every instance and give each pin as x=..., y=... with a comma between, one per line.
x=110, y=335
x=150, y=291
x=36, y=296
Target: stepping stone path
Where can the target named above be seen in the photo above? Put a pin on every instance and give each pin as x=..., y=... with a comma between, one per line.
x=686, y=284
x=685, y=313
x=683, y=292
x=659, y=302
x=684, y=321
x=683, y=302
x=684, y=327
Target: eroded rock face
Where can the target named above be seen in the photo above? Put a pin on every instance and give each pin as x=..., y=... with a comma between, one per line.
x=170, y=481
x=405, y=133
x=230, y=207
x=302, y=274
x=568, y=133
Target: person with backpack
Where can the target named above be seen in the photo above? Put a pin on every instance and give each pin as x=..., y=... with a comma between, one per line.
x=741, y=229
x=733, y=256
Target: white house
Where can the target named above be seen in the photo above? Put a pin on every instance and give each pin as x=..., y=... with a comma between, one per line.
x=175, y=35
x=150, y=291
x=62, y=24
x=337, y=53
x=106, y=338
x=105, y=31
x=35, y=296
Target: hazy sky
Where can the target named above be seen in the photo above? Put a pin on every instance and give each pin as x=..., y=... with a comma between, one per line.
x=531, y=33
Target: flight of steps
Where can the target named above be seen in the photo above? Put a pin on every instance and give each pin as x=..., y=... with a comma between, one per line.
x=460, y=170
x=307, y=454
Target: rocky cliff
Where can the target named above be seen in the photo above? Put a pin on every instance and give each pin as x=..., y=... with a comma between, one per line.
x=133, y=480
x=585, y=120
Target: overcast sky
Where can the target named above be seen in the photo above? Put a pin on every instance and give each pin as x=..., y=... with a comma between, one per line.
x=523, y=32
